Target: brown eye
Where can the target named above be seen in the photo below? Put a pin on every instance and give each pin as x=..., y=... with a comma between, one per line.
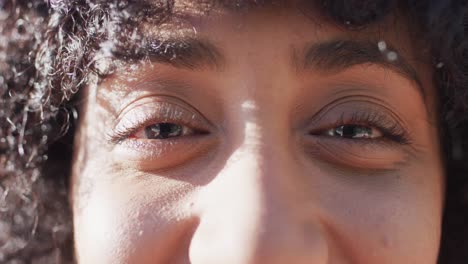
x=164, y=131
x=354, y=132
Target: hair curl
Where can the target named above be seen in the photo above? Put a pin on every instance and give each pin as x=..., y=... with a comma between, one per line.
x=50, y=49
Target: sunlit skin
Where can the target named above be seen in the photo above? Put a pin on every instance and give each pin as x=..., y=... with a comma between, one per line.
x=257, y=168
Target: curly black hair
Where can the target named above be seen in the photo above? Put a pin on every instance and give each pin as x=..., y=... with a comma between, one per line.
x=51, y=49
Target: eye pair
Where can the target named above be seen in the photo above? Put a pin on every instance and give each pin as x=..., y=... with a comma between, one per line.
x=166, y=119
x=167, y=130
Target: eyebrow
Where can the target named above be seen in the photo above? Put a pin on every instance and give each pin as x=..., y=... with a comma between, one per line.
x=184, y=53
x=337, y=55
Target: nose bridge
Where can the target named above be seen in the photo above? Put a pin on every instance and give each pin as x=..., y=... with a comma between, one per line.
x=258, y=172
x=245, y=213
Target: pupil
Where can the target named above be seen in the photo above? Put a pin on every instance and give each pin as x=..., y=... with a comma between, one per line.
x=163, y=131
x=349, y=131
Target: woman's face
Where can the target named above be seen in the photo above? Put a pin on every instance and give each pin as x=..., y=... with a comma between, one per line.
x=269, y=136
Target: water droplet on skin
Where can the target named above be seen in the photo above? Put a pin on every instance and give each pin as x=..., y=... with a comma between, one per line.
x=382, y=46
x=140, y=233
x=439, y=65
x=392, y=56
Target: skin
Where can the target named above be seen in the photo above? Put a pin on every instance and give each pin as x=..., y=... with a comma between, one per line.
x=264, y=182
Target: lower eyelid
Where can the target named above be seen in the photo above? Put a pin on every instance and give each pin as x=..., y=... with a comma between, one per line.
x=362, y=154
x=153, y=155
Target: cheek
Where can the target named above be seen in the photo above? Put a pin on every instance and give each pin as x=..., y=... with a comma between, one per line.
x=125, y=216
x=127, y=222
x=386, y=220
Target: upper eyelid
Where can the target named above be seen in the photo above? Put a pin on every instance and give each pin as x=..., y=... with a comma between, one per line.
x=360, y=117
x=166, y=87
x=155, y=98
x=368, y=116
x=374, y=115
x=163, y=114
x=389, y=127
x=162, y=99
x=159, y=111
x=364, y=103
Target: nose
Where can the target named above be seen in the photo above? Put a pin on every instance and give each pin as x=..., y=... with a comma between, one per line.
x=250, y=214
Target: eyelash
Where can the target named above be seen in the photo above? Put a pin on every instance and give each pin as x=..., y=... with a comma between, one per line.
x=117, y=136
x=161, y=114
x=390, y=129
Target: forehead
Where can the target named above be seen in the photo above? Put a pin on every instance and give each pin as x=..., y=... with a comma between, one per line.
x=177, y=14
x=222, y=21
x=220, y=25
